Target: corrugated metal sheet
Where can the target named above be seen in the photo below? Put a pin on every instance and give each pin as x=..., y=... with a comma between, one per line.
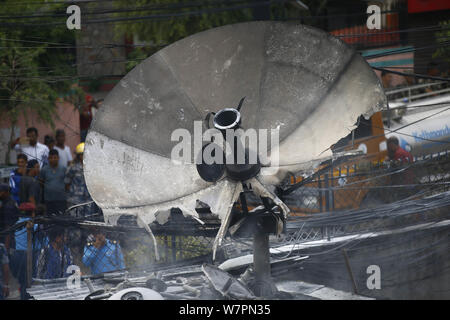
x=57, y=290
x=180, y=282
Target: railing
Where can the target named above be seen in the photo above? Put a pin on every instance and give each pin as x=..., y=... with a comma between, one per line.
x=367, y=184
x=58, y=246
x=356, y=225
x=410, y=93
x=372, y=200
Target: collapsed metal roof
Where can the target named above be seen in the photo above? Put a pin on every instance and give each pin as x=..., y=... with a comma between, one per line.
x=392, y=228
x=181, y=284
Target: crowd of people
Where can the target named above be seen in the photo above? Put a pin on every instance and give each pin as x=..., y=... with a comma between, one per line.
x=48, y=182
x=48, y=175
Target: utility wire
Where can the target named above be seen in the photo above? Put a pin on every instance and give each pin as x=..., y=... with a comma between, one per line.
x=408, y=50
x=434, y=28
x=153, y=17
x=120, y=2
x=119, y=45
x=411, y=30
x=65, y=78
x=422, y=76
x=401, y=133
x=63, y=14
x=135, y=9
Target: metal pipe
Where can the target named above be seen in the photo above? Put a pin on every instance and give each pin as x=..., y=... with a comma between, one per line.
x=30, y=225
x=89, y=285
x=177, y=296
x=327, y=193
x=261, y=262
x=174, y=248
x=350, y=272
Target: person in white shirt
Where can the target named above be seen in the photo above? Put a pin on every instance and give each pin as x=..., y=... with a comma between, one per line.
x=65, y=156
x=31, y=147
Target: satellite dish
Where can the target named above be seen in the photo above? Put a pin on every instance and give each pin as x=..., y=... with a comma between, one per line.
x=301, y=81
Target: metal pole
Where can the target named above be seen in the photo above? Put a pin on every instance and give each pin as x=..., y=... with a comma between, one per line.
x=319, y=184
x=243, y=200
x=350, y=272
x=29, y=253
x=174, y=248
x=331, y=188
x=261, y=264
x=166, y=249
x=327, y=193
x=89, y=285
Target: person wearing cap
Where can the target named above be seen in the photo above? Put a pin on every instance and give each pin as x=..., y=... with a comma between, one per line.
x=103, y=255
x=79, y=201
x=76, y=185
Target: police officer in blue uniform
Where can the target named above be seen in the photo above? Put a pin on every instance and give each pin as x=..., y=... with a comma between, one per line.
x=103, y=255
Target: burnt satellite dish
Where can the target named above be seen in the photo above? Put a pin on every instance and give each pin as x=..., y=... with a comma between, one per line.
x=298, y=81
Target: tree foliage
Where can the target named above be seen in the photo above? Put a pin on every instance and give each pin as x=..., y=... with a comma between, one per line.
x=173, y=20
x=442, y=37
x=34, y=69
x=21, y=88
x=185, y=20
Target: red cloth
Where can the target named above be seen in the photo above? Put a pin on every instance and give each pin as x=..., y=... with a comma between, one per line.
x=403, y=155
x=27, y=206
x=408, y=176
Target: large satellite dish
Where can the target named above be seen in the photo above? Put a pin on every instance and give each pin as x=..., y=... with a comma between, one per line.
x=300, y=80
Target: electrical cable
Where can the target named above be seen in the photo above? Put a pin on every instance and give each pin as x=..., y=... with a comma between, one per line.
x=136, y=9
x=156, y=17
x=422, y=76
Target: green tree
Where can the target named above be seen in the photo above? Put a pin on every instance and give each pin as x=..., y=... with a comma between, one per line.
x=442, y=37
x=176, y=19
x=185, y=20
x=33, y=71
x=21, y=90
